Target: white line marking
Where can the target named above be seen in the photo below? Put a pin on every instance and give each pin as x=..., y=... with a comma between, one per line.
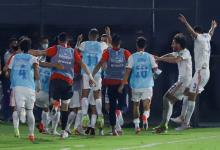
x=169, y=142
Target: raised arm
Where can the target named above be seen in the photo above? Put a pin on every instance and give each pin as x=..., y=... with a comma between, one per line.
x=188, y=26
x=213, y=26
x=108, y=32
x=79, y=40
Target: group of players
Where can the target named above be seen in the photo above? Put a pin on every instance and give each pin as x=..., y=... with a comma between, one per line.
x=65, y=81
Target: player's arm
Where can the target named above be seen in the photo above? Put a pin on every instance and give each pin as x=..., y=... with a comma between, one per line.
x=51, y=65
x=125, y=80
x=108, y=33
x=37, y=76
x=97, y=67
x=170, y=59
x=37, y=52
x=212, y=29
x=188, y=26
x=79, y=40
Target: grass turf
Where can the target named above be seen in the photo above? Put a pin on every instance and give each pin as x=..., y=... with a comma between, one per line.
x=193, y=139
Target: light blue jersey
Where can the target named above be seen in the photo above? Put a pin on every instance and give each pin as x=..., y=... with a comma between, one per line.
x=45, y=74
x=92, y=53
x=142, y=75
x=22, y=72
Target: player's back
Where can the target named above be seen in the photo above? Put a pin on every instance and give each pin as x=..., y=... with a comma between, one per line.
x=22, y=72
x=91, y=53
x=202, y=50
x=142, y=76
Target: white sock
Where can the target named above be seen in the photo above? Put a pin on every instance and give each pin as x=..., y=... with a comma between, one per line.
x=45, y=118
x=85, y=105
x=78, y=119
x=120, y=118
x=117, y=126
x=184, y=107
x=55, y=121
x=147, y=115
x=71, y=119
x=191, y=107
x=15, y=119
x=136, y=122
x=30, y=121
x=170, y=111
x=93, y=120
x=98, y=103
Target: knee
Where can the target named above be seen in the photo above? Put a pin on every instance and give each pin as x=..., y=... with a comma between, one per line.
x=65, y=105
x=192, y=96
x=168, y=97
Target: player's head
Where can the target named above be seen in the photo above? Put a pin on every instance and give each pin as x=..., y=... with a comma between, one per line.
x=93, y=34
x=62, y=38
x=25, y=45
x=198, y=29
x=44, y=42
x=104, y=38
x=116, y=41
x=13, y=43
x=141, y=43
x=179, y=42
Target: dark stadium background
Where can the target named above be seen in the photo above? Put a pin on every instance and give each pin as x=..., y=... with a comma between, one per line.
x=155, y=19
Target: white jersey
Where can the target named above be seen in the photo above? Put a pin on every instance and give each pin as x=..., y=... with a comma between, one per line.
x=202, y=50
x=184, y=66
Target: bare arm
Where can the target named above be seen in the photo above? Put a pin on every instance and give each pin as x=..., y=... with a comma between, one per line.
x=79, y=40
x=108, y=32
x=188, y=26
x=125, y=79
x=36, y=71
x=38, y=52
x=170, y=59
x=212, y=29
x=97, y=68
x=51, y=65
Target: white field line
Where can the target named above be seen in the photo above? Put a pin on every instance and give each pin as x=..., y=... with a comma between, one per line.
x=169, y=142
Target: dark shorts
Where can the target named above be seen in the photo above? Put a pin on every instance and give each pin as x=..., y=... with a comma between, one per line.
x=60, y=90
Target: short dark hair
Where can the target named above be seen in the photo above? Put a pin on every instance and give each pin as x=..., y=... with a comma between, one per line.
x=104, y=35
x=116, y=39
x=141, y=42
x=180, y=39
x=62, y=37
x=93, y=32
x=25, y=45
x=198, y=29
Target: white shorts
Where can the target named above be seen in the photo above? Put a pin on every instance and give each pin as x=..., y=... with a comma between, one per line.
x=177, y=90
x=199, y=81
x=86, y=84
x=91, y=98
x=42, y=99
x=75, y=100
x=142, y=95
x=12, y=98
x=24, y=98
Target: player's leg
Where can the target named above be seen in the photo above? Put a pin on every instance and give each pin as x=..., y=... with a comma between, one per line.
x=84, y=101
x=78, y=122
x=15, y=116
x=136, y=114
x=112, y=91
x=29, y=105
x=169, y=99
x=64, y=117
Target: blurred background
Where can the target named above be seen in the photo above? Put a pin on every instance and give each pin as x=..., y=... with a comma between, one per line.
x=155, y=19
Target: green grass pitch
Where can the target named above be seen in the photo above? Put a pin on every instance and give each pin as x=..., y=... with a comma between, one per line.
x=193, y=139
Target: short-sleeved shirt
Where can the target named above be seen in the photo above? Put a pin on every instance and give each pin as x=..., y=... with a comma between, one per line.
x=184, y=66
x=202, y=50
x=52, y=52
x=105, y=57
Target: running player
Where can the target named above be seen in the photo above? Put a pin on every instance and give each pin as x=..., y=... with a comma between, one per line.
x=62, y=80
x=92, y=52
x=140, y=66
x=116, y=59
x=181, y=56
x=202, y=50
x=23, y=74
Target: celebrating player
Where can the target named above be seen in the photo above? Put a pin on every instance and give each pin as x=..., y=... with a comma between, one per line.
x=202, y=50
x=140, y=66
x=181, y=56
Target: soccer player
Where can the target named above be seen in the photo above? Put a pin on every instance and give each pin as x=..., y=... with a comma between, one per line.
x=62, y=80
x=181, y=56
x=23, y=74
x=116, y=59
x=141, y=66
x=91, y=52
x=202, y=50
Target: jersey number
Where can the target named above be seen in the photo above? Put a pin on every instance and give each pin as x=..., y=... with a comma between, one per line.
x=22, y=72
